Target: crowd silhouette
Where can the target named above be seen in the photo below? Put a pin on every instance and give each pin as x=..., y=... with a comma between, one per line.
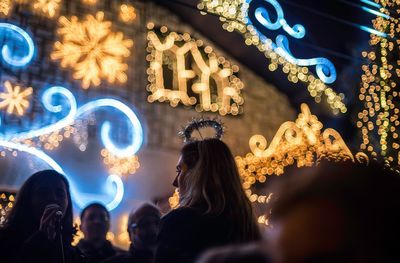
x=334, y=212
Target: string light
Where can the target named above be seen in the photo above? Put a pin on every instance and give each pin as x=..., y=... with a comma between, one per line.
x=171, y=52
x=5, y=7
x=379, y=120
x=14, y=99
x=120, y=166
x=233, y=15
x=92, y=50
x=48, y=8
x=127, y=13
x=7, y=201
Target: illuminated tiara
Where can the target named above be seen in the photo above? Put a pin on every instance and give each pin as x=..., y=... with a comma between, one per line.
x=197, y=124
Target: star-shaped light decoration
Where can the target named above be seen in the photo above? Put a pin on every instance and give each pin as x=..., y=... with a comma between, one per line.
x=92, y=50
x=15, y=99
x=48, y=8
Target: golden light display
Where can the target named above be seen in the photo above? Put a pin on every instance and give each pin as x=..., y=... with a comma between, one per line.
x=15, y=99
x=120, y=166
x=6, y=203
x=379, y=120
x=92, y=50
x=48, y=8
x=233, y=20
x=211, y=77
x=5, y=7
x=127, y=13
x=89, y=2
x=302, y=141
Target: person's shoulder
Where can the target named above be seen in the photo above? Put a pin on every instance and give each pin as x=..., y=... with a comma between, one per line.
x=183, y=213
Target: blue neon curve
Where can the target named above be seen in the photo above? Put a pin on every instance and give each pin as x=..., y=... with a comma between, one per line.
x=261, y=14
x=325, y=69
x=18, y=35
x=112, y=182
x=137, y=135
x=74, y=113
x=371, y=3
x=374, y=12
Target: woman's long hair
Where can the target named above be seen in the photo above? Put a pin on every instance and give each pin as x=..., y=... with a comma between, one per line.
x=19, y=218
x=213, y=182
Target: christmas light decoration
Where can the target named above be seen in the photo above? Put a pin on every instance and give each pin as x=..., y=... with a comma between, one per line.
x=15, y=99
x=89, y=2
x=302, y=141
x=5, y=7
x=172, y=53
x=379, y=120
x=48, y=8
x=92, y=50
x=127, y=13
x=236, y=16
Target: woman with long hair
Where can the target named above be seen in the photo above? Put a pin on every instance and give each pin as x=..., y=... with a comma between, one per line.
x=39, y=227
x=214, y=209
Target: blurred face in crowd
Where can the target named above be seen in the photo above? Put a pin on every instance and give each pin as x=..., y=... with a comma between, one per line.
x=181, y=170
x=312, y=231
x=144, y=230
x=48, y=192
x=95, y=224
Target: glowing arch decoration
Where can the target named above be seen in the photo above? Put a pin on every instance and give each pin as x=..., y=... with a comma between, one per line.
x=302, y=142
x=251, y=20
x=58, y=99
x=92, y=50
x=18, y=48
x=210, y=84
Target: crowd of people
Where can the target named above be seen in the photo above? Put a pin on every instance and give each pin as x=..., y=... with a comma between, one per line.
x=335, y=212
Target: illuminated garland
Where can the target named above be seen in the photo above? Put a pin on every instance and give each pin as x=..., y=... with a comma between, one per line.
x=235, y=17
x=7, y=201
x=170, y=52
x=379, y=121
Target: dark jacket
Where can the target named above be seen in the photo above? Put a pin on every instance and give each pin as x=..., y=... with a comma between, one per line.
x=132, y=256
x=186, y=232
x=35, y=249
x=96, y=255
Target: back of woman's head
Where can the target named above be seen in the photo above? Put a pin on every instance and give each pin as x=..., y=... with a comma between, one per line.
x=25, y=209
x=213, y=183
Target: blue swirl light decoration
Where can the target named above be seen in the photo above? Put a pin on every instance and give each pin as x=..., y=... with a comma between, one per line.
x=18, y=47
x=325, y=69
x=12, y=141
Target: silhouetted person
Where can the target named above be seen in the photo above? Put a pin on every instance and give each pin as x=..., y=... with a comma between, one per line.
x=143, y=225
x=337, y=212
x=214, y=210
x=39, y=226
x=95, y=223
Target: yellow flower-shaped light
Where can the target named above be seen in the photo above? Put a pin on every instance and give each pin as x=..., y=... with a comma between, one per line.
x=92, y=50
x=127, y=13
x=15, y=99
x=48, y=8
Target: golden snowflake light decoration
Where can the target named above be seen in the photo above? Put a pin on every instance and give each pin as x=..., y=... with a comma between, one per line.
x=5, y=7
x=302, y=141
x=92, y=50
x=48, y=8
x=210, y=82
x=127, y=13
x=15, y=99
